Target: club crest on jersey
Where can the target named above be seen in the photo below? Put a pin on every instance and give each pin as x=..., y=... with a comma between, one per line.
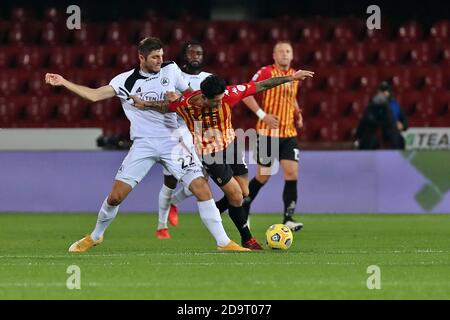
x=165, y=81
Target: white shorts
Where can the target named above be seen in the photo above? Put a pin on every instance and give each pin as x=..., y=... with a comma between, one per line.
x=171, y=152
x=188, y=141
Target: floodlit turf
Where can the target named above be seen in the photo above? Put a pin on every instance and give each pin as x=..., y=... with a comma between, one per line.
x=328, y=259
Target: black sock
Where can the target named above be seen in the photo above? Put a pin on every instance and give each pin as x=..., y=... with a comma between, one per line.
x=239, y=217
x=254, y=187
x=222, y=204
x=289, y=199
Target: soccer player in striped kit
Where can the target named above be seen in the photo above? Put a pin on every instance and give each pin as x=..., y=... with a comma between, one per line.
x=282, y=103
x=215, y=139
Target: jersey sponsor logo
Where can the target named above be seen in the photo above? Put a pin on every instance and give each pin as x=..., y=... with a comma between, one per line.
x=152, y=96
x=165, y=81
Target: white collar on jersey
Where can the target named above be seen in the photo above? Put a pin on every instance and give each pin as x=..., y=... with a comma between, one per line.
x=147, y=74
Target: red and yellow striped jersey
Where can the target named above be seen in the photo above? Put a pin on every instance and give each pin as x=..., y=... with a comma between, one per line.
x=279, y=101
x=211, y=127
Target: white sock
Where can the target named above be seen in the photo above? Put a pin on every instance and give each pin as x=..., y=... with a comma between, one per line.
x=164, y=202
x=180, y=195
x=105, y=216
x=210, y=216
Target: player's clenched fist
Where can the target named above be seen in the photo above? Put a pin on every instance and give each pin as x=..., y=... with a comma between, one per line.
x=302, y=74
x=54, y=79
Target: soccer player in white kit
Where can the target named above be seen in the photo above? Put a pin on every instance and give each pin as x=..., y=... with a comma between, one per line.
x=154, y=140
x=192, y=62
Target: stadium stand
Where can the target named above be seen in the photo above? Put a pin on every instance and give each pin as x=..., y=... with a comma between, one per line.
x=348, y=59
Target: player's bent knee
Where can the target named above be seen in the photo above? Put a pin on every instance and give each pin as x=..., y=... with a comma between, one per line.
x=263, y=178
x=115, y=199
x=291, y=175
x=199, y=187
x=235, y=198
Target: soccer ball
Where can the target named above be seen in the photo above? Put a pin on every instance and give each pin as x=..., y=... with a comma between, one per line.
x=278, y=236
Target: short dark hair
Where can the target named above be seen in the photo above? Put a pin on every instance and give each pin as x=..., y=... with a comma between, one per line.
x=385, y=86
x=212, y=86
x=149, y=44
x=188, y=44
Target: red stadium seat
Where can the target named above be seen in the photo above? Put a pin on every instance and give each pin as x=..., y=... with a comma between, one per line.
x=278, y=33
x=325, y=55
x=226, y=57
x=127, y=58
x=388, y=54
x=17, y=36
x=11, y=83
x=31, y=58
x=330, y=79
x=440, y=31
x=260, y=55
x=10, y=111
x=214, y=36
x=419, y=54
x=332, y=131
x=62, y=58
x=313, y=34
x=179, y=33
x=399, y=77
x=356, y=55
x=38, y=110
x=428, y=78
x=148, y=29
x=50, y=34
x=343, y=34
x=316, y=104
x=21, y=14
x=86, y=35
x=37, y=85
x=443, y=122
x=71, y=109
x=95, y=57
x=410, y=32
x=363, y=79
x=417, y=104
x=376, y=36
x=105, y=110
x=116, y=34
x=351, y=104
x=8, y=56
x=444, y=54
x=53, y=14
x=417, y=122
x=246, y=34
x=442, y=104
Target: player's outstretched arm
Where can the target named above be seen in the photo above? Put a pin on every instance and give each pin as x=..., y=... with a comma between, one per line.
x=276, y=81
x=90, y=94
x=161, y=106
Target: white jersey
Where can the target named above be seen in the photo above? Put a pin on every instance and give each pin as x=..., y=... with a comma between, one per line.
x=194, y=81
x=149, y=87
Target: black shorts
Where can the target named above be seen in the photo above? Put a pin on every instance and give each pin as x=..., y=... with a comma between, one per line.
x=271, y=148
x=229, y=162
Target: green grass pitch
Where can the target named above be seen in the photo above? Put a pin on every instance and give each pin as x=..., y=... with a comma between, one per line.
x=328, y=260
